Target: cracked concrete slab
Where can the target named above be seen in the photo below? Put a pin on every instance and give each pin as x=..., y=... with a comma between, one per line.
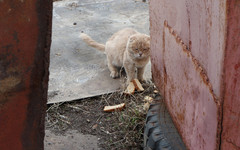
x=77, y=70
x=71, y=140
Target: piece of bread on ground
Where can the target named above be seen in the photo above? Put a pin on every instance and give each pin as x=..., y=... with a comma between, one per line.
x=146, y=106
x=130, y=89
x=114, y=108
x=148, y=99
x=138, y=85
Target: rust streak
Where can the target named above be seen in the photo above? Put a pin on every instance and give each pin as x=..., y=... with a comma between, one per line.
x=233, y=144
x=198, y=66
x=164, y=65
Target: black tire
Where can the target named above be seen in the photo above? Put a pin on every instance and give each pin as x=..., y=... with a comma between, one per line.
x=159, y=131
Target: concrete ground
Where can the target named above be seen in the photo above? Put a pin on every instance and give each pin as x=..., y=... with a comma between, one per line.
x=78, y=71
x=71, y=140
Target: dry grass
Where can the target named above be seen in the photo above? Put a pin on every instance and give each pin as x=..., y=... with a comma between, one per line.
x=116, y=130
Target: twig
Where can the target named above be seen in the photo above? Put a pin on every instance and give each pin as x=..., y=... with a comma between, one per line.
x=105, y=99
x=52, y=124
x=105, y=131
x=65, y=121
x=78, y=108
x=54, y=105
x=99, y=118
x=117, y=141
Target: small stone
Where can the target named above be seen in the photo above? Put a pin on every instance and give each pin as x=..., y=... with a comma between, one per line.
x=74, y=23
x=58, y=54
x=94, y=126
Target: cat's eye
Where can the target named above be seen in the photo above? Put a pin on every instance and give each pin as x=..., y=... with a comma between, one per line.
x=145, y=49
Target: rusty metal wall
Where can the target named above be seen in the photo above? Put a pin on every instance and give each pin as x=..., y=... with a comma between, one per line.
x=189, y=57
x=25, y=37
x=230, y=138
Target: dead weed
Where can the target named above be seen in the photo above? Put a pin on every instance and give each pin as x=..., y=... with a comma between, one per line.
x=116, y=130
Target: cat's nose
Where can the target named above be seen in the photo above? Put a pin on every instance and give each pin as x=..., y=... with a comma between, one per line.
x=140, y=54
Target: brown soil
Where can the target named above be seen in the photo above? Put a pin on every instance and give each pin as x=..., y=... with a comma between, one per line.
x=116, y=130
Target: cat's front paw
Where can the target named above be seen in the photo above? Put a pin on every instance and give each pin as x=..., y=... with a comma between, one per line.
x=114, y=74
x=142, y=80
x=129, y=80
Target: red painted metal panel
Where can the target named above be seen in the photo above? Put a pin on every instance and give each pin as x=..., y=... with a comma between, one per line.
x=207, y=37
x=187, y=65
x=25, y=35
x=201, y=26
x=231, y=105
x=187, y=95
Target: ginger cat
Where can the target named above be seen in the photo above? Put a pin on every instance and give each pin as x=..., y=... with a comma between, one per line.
x=126, y=48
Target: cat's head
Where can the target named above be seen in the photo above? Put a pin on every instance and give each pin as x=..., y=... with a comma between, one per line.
x=139, y=46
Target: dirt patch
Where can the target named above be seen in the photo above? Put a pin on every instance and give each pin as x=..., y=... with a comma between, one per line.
x=116, y=130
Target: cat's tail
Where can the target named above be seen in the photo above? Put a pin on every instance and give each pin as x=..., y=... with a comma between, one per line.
x=91, y=42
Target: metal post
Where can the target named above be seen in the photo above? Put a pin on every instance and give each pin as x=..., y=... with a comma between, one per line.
x=25, y=38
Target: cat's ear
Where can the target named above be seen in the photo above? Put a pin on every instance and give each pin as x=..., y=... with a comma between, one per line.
x=148, y=38
x=132, y=38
